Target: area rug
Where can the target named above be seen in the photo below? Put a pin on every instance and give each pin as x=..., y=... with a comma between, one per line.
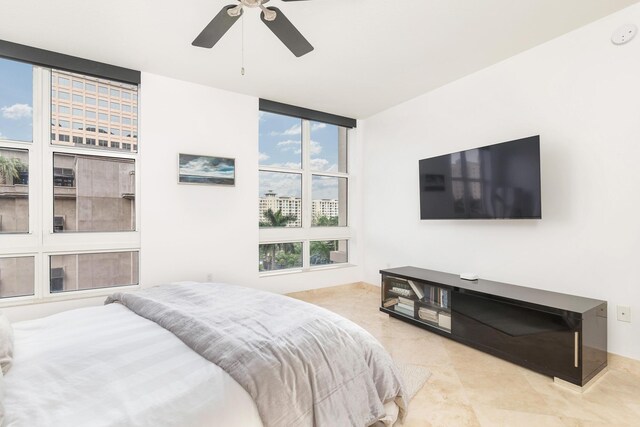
x=414, y=377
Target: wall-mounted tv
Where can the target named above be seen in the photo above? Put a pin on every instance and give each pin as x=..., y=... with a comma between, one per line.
x=500, y=181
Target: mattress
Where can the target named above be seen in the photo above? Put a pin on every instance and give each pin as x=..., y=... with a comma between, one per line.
x=106, y=366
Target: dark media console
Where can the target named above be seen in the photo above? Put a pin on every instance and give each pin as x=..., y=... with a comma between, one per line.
x=559, y=335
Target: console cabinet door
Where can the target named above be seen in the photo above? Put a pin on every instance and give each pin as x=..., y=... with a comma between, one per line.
x=547, y=342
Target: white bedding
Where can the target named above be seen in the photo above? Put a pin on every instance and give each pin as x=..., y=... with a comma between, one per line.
x=106, y=366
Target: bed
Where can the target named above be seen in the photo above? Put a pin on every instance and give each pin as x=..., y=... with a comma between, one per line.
x=146, y=359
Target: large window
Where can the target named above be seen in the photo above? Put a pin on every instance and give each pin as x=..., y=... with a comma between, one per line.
x=303, y=193
x=68, y=217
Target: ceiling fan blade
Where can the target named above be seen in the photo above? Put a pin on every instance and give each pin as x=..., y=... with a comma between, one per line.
x=217, y=28
x=287, y=33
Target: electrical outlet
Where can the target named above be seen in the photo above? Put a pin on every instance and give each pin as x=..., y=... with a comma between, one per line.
x=624, y=313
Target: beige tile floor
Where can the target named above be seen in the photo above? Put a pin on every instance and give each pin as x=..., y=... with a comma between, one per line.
x=471, y=388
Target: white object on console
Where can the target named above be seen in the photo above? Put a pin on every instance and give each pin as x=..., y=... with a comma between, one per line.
x=469, y=276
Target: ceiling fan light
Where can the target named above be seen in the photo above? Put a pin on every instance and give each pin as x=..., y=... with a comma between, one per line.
x=269, y=15
x=235, y=11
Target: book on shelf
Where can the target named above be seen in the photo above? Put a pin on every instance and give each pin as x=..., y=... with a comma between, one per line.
x=444, y=320
x=404, y=311
x=405, y=307
x=444, y=298
x=416, y=289
x=406, y=301
x=428, y=314
x=400, y=291
x=389, y=302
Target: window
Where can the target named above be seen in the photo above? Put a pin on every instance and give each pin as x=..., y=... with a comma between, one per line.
x=49, y=220
x=126, y=146
x=115, y=106
x=107, y=199
x=75, y=272
x=303, y=193
x=16, y=101
x=103, y=103
x=17, y=276
x=115, y=144
x=14, y=191
x=280, y=256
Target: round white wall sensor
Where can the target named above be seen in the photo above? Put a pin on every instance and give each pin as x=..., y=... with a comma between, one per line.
x=624, y=34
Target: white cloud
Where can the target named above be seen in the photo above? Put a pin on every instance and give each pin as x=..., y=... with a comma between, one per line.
x=319, y=164
x=283, y=184
x=318, y=126
x=263, y=156
x=17, y=111
x=293, y=130
x=316, y=148
x=289, y=145
x=205, y=167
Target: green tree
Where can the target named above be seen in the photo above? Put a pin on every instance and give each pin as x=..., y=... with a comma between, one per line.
x=276, y=219
x=10, y=169
x=320, y=251
x=326, y=221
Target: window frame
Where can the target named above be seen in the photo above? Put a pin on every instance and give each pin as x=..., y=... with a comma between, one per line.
x=41, y=241
x=307, y=232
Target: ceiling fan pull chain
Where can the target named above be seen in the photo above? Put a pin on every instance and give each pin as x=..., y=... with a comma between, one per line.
x=242, y=49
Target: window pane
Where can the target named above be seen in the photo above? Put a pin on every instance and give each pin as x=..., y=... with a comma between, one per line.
x=93, y=193
x=329, y=201
x=17, y=276
x=16, y=100
x=280, y=256
x=280, y=197
x=14, y=191
x=110, y=92
x=280, y=141
x=91, y=271
x=328, y=147
x=328, y=252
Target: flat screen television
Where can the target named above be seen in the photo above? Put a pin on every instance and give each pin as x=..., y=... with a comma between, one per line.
x=500, y=181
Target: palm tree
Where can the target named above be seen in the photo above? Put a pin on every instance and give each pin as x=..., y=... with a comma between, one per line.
x=10, y=169
x=276, y=219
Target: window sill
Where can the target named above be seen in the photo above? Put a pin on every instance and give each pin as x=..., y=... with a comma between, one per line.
x=305, y=270
x=64, y=296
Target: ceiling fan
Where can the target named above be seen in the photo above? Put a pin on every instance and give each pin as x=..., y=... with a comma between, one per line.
x=272, y=18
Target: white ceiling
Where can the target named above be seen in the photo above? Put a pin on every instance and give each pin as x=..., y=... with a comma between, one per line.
x=369, y=54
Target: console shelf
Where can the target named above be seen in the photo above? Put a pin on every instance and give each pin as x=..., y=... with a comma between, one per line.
x=556, y=334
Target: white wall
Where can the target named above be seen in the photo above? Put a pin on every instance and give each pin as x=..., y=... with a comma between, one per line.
x=190, y=231
x=581, y=94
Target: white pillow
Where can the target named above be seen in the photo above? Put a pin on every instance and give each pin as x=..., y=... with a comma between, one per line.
x=6, y=344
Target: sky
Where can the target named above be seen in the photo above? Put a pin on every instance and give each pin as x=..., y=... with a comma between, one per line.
x=16, y=100
x=280, y=146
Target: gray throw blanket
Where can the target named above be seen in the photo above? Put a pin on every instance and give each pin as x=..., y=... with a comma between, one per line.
x=302, y=365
